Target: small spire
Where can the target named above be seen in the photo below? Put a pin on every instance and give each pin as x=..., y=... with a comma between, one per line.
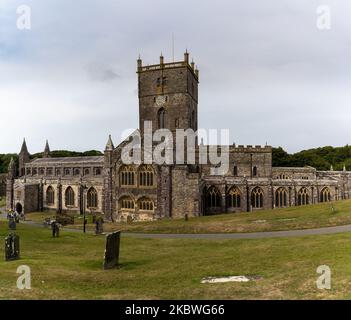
x=24, y=148
x=109, y=145
x=331, y=168
x=46, y=150
x=344, y=168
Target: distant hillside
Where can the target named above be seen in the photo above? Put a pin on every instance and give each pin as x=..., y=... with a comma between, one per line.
x=319, y=158
x=65, y=153
x=5, y=158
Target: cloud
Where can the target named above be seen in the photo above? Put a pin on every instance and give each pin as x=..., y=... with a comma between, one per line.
x=266, y=72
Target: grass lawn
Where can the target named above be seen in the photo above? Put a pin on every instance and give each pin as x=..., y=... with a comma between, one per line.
x=303, y=217
x=70, y=267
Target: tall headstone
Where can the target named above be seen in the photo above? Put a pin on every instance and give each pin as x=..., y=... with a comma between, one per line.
x=55, y=229
x=99, y=228
x=12, y=247
x=12, y=223
x=112, y=250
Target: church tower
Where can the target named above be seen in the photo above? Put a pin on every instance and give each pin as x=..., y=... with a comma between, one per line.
x=24, y=157
x=168, y=94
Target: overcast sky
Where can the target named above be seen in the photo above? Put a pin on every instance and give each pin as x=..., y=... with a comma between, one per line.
x=267, y=72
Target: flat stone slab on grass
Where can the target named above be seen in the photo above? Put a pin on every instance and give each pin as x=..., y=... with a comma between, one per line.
x=230, y=279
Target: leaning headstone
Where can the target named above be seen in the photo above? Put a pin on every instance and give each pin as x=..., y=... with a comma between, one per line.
x=55, y=229
x=112, y=250
x=99, y=228
x=12, y=248
x=12, y=224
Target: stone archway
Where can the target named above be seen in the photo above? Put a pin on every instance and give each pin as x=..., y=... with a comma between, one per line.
x=18, y=208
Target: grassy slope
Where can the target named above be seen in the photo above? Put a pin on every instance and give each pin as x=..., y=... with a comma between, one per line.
x=304, y=217
x=70, y=267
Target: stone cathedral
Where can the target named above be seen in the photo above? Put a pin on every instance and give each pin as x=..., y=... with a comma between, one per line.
x=168, y=97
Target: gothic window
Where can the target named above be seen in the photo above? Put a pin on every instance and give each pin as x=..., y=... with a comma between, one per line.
x=92, y=198
x=28, y=171
x=67, y=171
x=146, y=204
x=325, y=195
x=58, y=172
x=235, y=171
x=49, y=171
x=161, y=116
x=233, y=198
x=69, y=197
x=158, y=82
x=127, y=176
x=146, y=176
x=281, y=198
x=35, y=171
x=126, y=203
x=302, y=197
x=50, y=196
x=86, y=171
x=41, y=171
x=282, y=176
x=76, y=172
x=254, y=171
x=213, y=198
x=98, y=171
x=257, y=198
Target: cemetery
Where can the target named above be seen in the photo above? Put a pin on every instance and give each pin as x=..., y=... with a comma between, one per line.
x=76, y=266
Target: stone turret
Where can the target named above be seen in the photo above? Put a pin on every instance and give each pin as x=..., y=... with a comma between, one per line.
x=24, y=157
x=11, y=176
x=46, y=153
x=108, y=183
x=12, y=170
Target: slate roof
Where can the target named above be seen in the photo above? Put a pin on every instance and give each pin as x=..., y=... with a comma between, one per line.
x=70, y=160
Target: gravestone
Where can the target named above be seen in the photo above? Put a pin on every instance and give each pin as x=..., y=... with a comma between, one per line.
x=112, y=250
x=55, y=229
x=12, y=223
x=99, y=228
x=186, y=217
x=12, y=248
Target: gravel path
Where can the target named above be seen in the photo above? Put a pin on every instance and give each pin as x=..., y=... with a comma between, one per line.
x=221, y=236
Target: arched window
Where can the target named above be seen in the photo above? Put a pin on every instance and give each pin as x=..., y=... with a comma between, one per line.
x=325, y=195
x=161, y=116
x=127, y=176
x=126, y=203
x=302, y=197
x=281, y=198
x=146, y=176
x=69, y=197
x=254, y=171
x=213, y=198
x=92, y=198
x=50, y=196
x=146, y=204
x=233, y=198
x=235, y=171
x=257, y=198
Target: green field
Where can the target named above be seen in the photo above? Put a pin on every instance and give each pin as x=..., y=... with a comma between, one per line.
x=70, y=267
x=303, y=217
